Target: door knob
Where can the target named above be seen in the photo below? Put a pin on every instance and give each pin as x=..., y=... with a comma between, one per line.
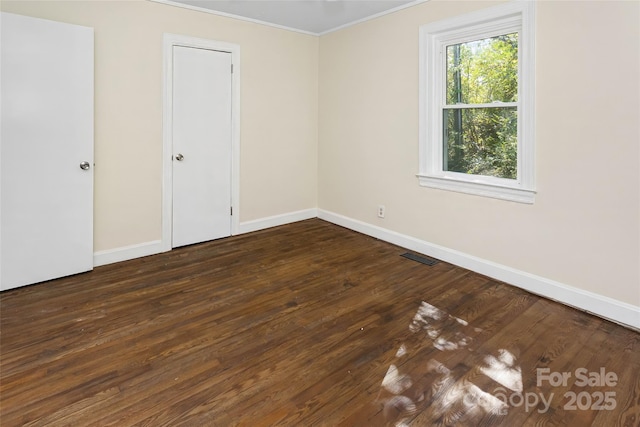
x=85, y=166
x=179, y=157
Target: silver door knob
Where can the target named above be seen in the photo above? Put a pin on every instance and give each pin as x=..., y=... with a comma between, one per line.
x=85, y=166
x=179, y=157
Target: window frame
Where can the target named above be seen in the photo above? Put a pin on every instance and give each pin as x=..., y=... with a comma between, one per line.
x=516, y=16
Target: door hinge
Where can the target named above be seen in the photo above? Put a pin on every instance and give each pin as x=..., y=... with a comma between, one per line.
x=231, y=68
x=232, y=210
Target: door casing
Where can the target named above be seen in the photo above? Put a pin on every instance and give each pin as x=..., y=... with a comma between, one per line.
x=169, y=41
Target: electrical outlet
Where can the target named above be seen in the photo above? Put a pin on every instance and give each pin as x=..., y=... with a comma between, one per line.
x=380, y=211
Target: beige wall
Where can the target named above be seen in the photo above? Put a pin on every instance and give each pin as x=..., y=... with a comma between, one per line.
x=279, y=84
x=583, y=229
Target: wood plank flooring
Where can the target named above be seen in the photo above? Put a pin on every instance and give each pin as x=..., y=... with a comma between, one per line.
x=300, y=325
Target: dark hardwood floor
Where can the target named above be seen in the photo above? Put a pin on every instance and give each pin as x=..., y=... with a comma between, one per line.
x=305, y=324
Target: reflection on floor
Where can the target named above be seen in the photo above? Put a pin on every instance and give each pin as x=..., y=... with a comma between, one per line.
x=442, y=396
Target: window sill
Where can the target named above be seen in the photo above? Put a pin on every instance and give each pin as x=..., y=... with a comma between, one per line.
x=511, y=194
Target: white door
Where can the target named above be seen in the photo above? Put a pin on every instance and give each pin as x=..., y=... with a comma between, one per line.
x=46, y=150
x=201, y=145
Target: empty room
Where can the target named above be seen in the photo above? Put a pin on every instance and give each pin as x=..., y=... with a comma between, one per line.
x=319, y=213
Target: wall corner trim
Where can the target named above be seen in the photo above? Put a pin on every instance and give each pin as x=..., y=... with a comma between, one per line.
x=276, y=220
x=126, y=253
x=139, y=250
x=599, y=305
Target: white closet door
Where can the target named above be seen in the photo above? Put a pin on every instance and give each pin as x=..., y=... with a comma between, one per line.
x=46, y=150
x=201, y=145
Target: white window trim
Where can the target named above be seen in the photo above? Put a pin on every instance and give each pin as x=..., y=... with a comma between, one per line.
x=496, y=20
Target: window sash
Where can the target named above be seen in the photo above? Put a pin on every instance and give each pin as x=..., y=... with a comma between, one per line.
x=505, y=26
x=441, y=64
x=448, y=140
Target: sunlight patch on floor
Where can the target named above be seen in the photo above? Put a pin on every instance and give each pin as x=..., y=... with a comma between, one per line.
x=445, y=394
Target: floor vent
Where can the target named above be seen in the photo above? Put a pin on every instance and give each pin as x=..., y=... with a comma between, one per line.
x=420, y=259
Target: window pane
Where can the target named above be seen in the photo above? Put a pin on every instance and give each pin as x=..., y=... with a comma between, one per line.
x=483, y=71
x=481, y=141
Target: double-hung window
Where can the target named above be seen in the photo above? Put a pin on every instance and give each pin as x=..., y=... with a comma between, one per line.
x=476, y=103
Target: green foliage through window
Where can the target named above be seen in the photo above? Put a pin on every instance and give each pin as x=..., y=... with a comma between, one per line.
x=482, y=140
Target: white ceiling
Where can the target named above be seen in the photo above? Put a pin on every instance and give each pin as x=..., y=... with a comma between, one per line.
x=309, y=16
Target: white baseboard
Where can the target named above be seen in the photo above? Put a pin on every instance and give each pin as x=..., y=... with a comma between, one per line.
x=126, y=253
x=276, y=220
x=155, y=247
x=599, y=305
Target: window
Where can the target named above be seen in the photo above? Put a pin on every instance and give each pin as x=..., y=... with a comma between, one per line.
x=476, y=103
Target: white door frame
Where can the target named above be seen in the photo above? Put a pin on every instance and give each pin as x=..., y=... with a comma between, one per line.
x=169, y=41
